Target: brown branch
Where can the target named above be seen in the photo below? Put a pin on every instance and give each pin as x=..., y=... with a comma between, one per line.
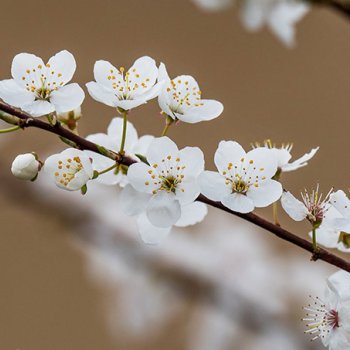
x=25, y=120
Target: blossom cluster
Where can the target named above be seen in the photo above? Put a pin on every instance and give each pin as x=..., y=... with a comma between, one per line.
x=161, y=185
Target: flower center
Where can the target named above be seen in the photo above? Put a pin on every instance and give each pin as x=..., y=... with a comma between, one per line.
x=167, y=175
x=169, y=183
x=316, y=206
x=240, y=186
x=321, y=320
x=67, y=170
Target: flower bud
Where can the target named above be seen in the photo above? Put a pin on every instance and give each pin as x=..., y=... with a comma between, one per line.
x=25, y=166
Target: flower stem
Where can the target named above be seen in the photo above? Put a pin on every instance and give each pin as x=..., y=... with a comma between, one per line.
x=108, y=169
x=4, y=131
x=315, y=254
x=275, y=213
x=168, y=122
x=125, y=120
x=165, y=130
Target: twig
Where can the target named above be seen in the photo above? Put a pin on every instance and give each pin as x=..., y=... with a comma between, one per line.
x=24, y=120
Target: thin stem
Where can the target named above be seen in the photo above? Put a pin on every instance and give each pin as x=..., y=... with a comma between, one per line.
x=5, y=131
x=166, y=129
x=315, y=253
x=314, y=242
x=275, y=213
x=108, y=169
x=24, y=120
x=125, y=123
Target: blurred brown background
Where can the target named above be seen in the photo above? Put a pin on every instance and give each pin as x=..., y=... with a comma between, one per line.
x=299, y=96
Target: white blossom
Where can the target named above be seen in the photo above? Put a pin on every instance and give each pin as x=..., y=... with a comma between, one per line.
x=25, y=166
x=329, y=319
x=335, y=229
x=167, y=184
x=40, y=88
x=180, y=99
x=125, y=90
x=313, y=207
x=283, y=156
x=70, y=169
x=112, y=140
x=279, y=15
x=244, y=180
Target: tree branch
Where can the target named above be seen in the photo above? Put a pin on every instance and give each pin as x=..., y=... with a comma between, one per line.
x=24, y=120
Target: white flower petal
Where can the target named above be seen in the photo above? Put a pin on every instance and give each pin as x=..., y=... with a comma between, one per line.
x=61, y=67
x=101, y=94
x=300, y=162
x=341, y=202
x=187, y=191
x=340, y=282
x=163, y=209
x=193, y=157
x=326, y=236
x=192, y=214
x=39, y=108
x=163, y=74
x=342, y=224
x=253, y=14
x=149, y=233
x=210, y=110
x=130, y=104
x=160, y=149
x=264, y=162
x=142, y=145
x=115, y=130
x=144, y=73
x=103, y=73
x=266, y=193
x=238, y=202
x=14, y=94
x=133, y=202
x=140, y=179
x=213, y=186
x=228, y=152
x=67, y=98
x=283, y=17
x=282, y=156
x=25, y=65
x=293, y=207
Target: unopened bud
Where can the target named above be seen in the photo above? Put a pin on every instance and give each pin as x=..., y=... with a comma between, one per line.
x=25, y=166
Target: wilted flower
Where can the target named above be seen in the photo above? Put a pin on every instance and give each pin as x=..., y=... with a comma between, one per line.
x=40, y=88
x=125, y=90
x=70, y=169
x=313, y=207
x=244, y=180
x=180, y=99
x=25, y=166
